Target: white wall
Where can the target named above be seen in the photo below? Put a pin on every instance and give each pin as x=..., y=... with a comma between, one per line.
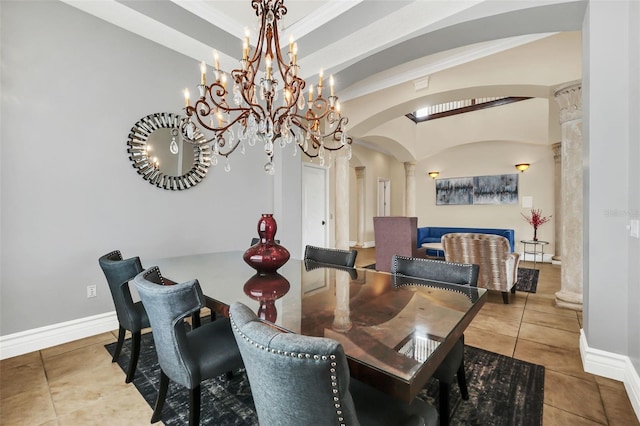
x=612, y=181
x=486, y=159
x=377, y=165
x=72, y=87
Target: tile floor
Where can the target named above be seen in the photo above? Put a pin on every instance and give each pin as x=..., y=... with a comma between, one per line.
x=76, y=383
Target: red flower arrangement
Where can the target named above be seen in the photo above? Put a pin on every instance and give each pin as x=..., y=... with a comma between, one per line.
x=536, y=219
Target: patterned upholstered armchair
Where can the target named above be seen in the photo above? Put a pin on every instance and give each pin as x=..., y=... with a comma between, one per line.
x=498, y=266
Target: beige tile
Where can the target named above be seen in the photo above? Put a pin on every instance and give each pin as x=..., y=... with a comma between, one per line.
x=549, y=306
x=125, y=407
x=22, y=378
x=561, y=322
x=102, y=338
x=609, y=383
x=79, y=359
x=73, y=391
x=576, y=396
x=10, y=363
x=496, y=325
x=510, y=312
x=549, y=336
x=555, y=417
x=561, y=360
x=618, y=407
x=490, y=341
x=30, y=407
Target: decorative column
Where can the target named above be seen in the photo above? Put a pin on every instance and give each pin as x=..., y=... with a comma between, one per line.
x=557, y=196
x=410, y=189
x=342, y=202
x=361, y=205
x=569, y=98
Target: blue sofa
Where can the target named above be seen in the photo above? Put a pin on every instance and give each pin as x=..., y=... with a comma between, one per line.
x=433, y=234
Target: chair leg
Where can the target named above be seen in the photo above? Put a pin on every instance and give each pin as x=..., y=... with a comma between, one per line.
x=135, y=353
x=195, y=320
x=162, y=394
x=443, y=407
x=194, y=406
x=505, y=297
x=116, y=354
x=462, y=382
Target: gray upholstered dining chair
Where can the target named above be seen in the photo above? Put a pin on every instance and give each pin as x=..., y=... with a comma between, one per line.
x=131, y=315
x=187, y=358
x=302, y=380
x=453, y=365
x=333, y=256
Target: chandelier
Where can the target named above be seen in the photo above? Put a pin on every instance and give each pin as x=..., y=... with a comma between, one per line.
x=267, y=103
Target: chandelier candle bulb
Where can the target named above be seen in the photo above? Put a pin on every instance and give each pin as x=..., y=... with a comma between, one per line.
x=331, y=82
x=268, y=64
x=203, y=73
x=295, y=53
x=216, y=60
x=310, y=95
x=186, y=97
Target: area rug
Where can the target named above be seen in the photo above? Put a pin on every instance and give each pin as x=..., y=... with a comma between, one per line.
x=502, y=391
x=527, y=278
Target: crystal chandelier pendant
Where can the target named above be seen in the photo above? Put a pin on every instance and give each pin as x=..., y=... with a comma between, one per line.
x=269, y=168
x=227, y=166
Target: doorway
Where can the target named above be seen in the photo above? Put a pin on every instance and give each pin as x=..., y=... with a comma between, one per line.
x=384, y=197
x=314, y=205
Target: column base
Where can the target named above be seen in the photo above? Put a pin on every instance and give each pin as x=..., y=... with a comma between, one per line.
x=569, y=300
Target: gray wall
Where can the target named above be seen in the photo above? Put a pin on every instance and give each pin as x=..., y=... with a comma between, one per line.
x=612, y=180
x=72, y=87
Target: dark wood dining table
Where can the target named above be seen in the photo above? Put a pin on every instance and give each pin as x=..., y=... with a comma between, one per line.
x=395, y=330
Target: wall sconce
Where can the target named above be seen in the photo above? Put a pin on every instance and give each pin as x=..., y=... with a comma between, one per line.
x=522, y=166
x=433, y=175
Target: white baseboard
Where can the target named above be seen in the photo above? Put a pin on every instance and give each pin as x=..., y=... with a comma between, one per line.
x=44, y=337
x=366, y=244
x=612, y=366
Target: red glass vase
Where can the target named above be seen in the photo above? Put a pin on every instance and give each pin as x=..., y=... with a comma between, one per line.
x=267, y=255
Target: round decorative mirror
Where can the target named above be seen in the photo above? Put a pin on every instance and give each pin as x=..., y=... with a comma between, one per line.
x=159, y=153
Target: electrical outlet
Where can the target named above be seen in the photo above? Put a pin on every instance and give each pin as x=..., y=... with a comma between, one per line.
x=91, y=291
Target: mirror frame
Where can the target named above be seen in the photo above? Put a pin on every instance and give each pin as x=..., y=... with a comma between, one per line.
x=138, y=153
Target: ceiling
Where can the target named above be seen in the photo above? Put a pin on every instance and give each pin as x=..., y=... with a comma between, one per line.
x=366, y=44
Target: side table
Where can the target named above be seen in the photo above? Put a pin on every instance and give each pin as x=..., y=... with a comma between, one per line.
x=434, y=246
x=538, y=249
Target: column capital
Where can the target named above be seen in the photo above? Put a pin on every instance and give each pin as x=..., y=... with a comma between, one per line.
x=410, y=168
x=569, y=99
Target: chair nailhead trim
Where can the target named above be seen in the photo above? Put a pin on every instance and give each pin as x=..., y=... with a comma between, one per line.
x=332, y=370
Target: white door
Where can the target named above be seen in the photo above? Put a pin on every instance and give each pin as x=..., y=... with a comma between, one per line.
x=384, y=197
x=314, y=205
